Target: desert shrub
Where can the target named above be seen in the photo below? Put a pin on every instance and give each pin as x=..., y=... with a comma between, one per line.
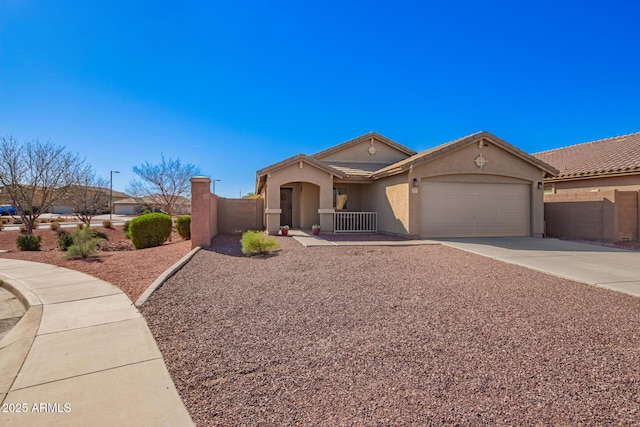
x=107, y=224
x=1, y=225
x=28, y=242
x=64, y=240
x=4, y=220
x=80, y=226
x=23, y=228
x=84, y=243
x=17, y=220
x=183, y=227
x=257, y=243
x=147, y=231
x=55, y=226
x=99, y=234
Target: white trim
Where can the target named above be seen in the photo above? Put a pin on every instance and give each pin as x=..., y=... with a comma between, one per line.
x=272, y=211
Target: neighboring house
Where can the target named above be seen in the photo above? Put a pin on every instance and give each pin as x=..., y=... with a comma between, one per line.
x=64, y=207
x=135, y=205
x=478, y=185
x=595, y=194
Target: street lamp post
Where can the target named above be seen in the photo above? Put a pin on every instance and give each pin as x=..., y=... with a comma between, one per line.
x=111, y=194
x=214, y=185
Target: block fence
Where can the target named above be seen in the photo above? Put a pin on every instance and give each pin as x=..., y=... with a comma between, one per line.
x=610, y=215
x=211, y=214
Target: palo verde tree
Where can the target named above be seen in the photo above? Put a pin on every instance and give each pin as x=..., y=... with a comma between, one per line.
x=166, y=185
x=36, y=175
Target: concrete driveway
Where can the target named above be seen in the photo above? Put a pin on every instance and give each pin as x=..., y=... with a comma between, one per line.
x=596, y=265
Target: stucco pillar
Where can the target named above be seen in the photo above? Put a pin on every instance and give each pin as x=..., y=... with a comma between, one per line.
x=326, y=209
x=201, y=232
x=272, y=209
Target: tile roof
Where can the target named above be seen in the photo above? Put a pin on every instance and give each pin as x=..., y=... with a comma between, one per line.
x=610, y=156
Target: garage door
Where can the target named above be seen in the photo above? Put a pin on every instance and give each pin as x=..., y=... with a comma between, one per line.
x=456, y=209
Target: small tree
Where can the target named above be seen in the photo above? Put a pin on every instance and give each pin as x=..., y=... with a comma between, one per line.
x=165, y=184
x=88, y=198
x=34, y=176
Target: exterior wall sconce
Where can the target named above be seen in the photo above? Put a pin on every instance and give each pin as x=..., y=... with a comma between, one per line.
x=415, y=182
x=539, y=185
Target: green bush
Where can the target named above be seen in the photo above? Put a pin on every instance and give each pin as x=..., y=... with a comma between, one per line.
x=99, y=234
x=64, y=240
x=183, y=227
x=84, y=243
x=257, y=243
x=28, y=242
x=149, y=230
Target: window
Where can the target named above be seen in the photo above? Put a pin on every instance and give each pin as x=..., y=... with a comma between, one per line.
x=340, y=198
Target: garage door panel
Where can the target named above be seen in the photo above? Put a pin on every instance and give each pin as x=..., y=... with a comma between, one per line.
x=453, y=209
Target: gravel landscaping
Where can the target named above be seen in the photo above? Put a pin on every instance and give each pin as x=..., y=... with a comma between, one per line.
x=421, y=335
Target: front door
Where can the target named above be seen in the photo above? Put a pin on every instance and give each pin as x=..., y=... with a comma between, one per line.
x=286, y=206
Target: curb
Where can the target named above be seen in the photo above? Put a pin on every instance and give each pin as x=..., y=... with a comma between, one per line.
x=165, y=276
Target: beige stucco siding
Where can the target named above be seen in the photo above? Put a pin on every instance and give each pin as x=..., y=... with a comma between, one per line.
x=389, y=197
x=360, y=153
x=309, y=205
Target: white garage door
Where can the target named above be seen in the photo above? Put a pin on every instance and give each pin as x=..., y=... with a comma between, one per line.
x=456, y=209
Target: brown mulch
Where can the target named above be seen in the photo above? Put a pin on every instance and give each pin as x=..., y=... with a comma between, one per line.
x=119, y=264
x=424, y=335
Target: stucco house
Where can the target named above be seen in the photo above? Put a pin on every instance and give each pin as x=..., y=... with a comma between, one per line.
x=135, y=205
x=595, y=193
x=477, y=185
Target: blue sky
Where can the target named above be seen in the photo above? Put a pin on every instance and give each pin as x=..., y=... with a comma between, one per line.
x=236, y=86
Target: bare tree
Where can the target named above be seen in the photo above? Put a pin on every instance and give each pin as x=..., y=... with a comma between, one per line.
x=35, y=176
x=88, y=197
x=166, y=185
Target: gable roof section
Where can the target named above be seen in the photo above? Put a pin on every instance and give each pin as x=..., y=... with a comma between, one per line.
x=440, y=150
x=604, y=157
x=262, y=173
x=363, y=138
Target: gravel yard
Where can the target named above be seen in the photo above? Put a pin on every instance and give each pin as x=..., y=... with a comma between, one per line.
x=423, y=335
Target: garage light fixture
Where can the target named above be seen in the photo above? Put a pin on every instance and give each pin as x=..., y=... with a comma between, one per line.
x=415, y=182
x=539, y=185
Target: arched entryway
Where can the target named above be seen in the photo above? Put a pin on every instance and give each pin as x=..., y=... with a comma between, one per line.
x=299, y=204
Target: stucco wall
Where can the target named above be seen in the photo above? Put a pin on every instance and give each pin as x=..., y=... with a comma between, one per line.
x=389, y=197
x=309, y=205
x=239, y=215
x=360, y=152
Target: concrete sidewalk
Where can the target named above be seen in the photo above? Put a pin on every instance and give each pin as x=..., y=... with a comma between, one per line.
x=81, y=355
x=309, y=240
x=596, y=265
